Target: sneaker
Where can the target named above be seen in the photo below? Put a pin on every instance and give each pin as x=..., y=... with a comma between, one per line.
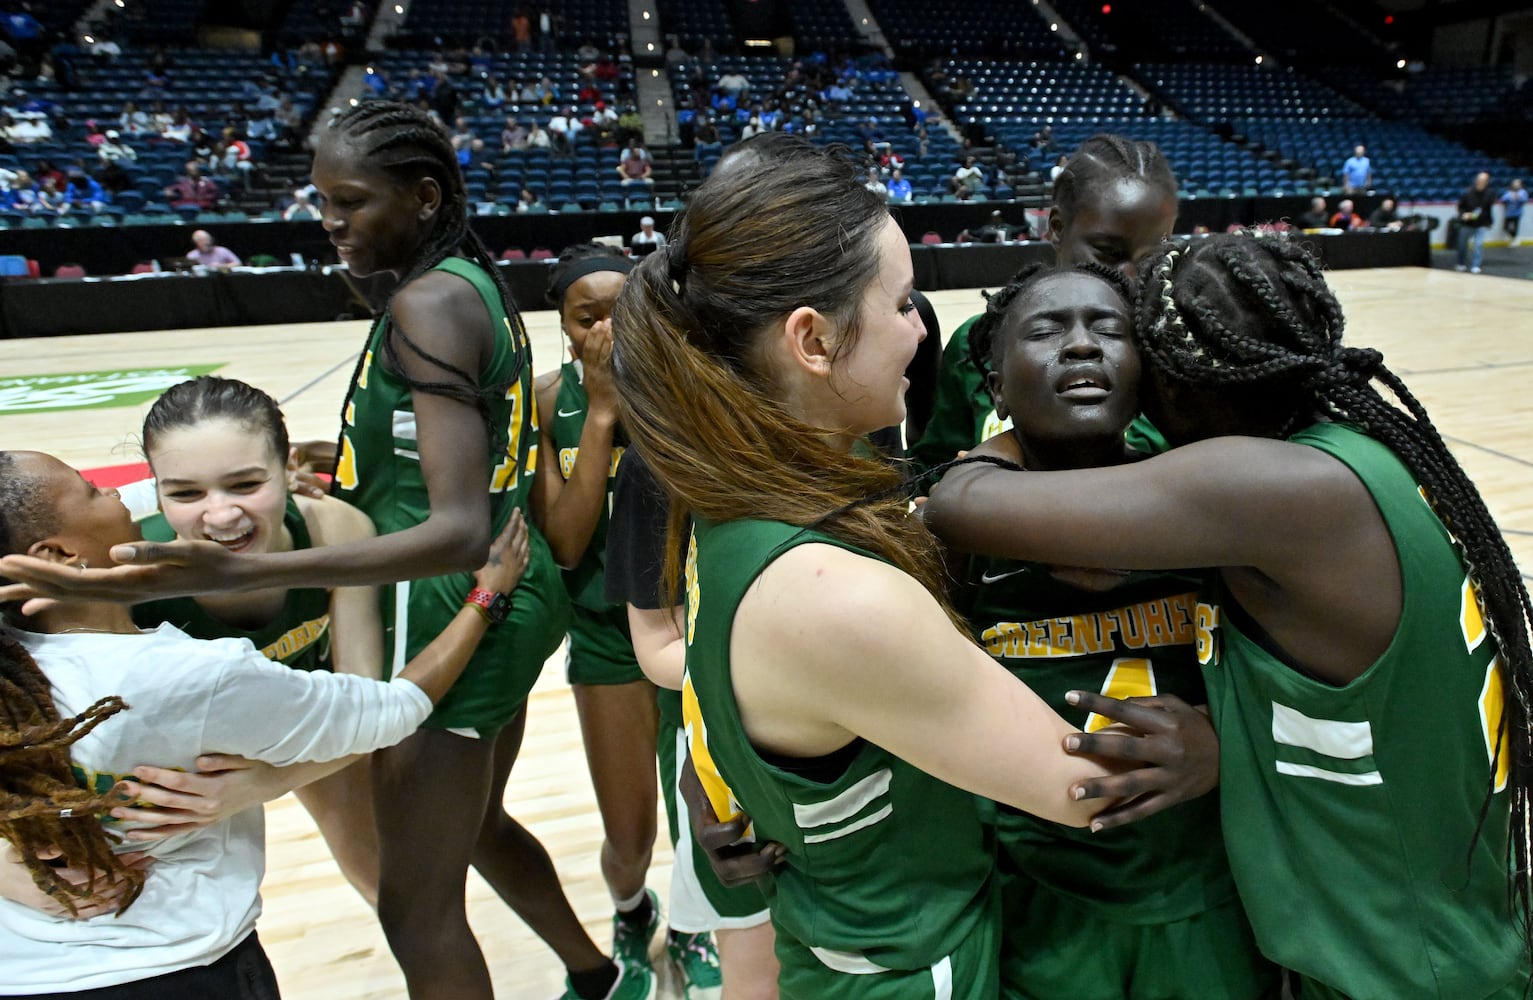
x=697, y=963
x=1474, y=270
x=1460, y=267
x=630, y=944
x=633, y=983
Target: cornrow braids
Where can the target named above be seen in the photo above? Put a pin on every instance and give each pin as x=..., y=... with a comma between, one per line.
x=1105, y=158
x=1253, y=311
x=983, y=348
x=42, y=808
x=404, y=143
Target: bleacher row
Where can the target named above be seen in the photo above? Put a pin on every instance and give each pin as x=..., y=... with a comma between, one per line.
x=1229, y=126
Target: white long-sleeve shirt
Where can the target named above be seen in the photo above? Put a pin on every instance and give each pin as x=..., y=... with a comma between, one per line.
x=186, y=697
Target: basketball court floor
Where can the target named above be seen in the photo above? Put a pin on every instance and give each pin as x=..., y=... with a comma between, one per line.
x=1463, y=343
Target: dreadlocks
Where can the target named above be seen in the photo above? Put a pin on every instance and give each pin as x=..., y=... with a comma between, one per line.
x=41, y=806
x=1264, y=320
x=402, y=142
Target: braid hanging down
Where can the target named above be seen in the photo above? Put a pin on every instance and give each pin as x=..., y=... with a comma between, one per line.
x=1220, y=284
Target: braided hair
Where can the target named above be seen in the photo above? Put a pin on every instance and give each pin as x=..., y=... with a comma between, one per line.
x=404, y=143
x=42, y=807
x=1105, y=158
x=984, y=351
x=1252, y=315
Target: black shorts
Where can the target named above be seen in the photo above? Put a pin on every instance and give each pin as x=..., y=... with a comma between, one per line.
x=243, y=973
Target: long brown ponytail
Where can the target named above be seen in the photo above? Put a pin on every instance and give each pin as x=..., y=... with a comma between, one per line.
x=763, y=236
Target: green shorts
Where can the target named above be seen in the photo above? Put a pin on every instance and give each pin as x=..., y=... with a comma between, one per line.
x=969, y=973
x=699, y=901
x=1055, y=946
x=495, y=684
x=601, y=649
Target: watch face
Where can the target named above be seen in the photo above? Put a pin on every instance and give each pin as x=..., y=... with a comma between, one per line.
x=500, y=608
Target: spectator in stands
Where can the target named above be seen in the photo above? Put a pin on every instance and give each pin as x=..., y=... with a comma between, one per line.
x=302, y=208
x=538, y=137
x=232, y=155
x=604, y=123
x=513, y=135
x=735, y=85
x=565, y=128
x=160, y=118
x=21, y=194
x=44, y=170
x=1512, y=200
x=968, y=179
x=675, y=55
x=709, y=142
x=493, y=95
x=647, y=239
x=1357, y=172
x=209, y=254
x=114, y=179
x=27, y=127
x=179, y=129
x=132, y=121
x=262, y=126
x=1317, y=217
x=521, y=30
x=546, y=92
x=1475, y=219
x=900, y=190
x=996, y=230
x=83, y=193
x=875, y=183
x=889, y=161
x=444, y=96
x=1345, y=216
x=635, y=167
x=1386, y=217
x=192, y=189
x=50, y=197
x=528, y=201
x=1043, y=139
x=154, y=84
x=376, y=81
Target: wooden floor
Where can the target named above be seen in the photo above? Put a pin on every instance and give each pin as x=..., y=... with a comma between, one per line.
x=1463, y=343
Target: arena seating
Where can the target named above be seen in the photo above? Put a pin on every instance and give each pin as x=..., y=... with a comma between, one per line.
x=1161, y=32
x=983, y=27
x=466, y=22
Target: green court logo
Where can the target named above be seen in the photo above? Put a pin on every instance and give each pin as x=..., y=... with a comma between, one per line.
x=92, y=390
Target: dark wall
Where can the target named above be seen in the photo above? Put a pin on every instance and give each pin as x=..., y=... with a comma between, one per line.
x=105, y=250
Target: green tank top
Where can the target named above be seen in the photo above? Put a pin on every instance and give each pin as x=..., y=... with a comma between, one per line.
x=1134, y=640
x=586, y=582
x=299, y=636
x=1349, y=811
x=887, y=867
x=379, y=470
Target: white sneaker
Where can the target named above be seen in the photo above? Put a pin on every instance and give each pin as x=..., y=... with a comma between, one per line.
x=1460, y=267
x=1474, y=270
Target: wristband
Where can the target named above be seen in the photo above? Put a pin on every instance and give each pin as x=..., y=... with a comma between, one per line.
x=495, y=608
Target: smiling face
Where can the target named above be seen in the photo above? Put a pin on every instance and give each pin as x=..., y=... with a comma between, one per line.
x=219, y=480
x=375, y=222
x=1067, y=372
x=1117, y=227
x=869, y=379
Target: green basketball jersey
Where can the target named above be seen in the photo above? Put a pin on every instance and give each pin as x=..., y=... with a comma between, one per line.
x=586, y=581
x=379, y=472
x=887, y=867
x=1349, y=811
x=1134, y=640
x=299, y=636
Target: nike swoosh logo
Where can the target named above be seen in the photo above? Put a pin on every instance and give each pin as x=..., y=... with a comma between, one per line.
x=570, y=413
x=998, y=577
